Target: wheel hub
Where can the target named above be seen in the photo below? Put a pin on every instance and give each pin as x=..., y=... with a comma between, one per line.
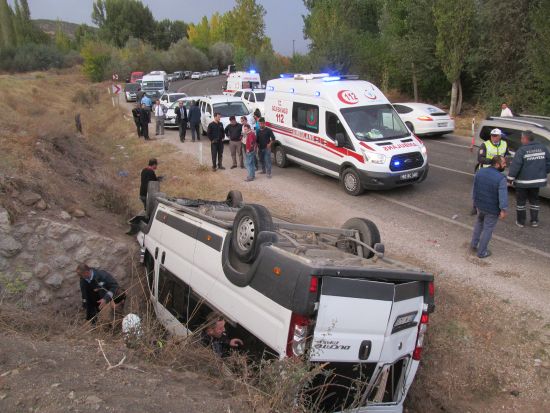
x=350, y=182
x=246, y=233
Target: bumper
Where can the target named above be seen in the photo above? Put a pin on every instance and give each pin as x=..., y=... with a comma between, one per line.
x=432, y=128
x=170, y=122
x=389, y=180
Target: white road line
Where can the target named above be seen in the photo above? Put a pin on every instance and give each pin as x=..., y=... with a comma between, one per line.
x=448, y=143
x=462, y=225
x=450, y=169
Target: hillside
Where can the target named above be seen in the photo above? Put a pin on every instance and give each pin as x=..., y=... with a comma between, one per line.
x=50, y=26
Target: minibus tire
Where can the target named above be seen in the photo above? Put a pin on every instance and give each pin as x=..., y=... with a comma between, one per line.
x=280, y=157
x=234, y=199
x=249, y=222
x=351, y=175
x=368, y=233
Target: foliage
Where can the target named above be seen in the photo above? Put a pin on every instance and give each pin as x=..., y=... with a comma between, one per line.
x=30, y=57
x=97, y=57
x=538, y=54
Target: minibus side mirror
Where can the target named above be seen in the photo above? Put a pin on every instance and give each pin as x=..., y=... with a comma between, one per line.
x=340, y=140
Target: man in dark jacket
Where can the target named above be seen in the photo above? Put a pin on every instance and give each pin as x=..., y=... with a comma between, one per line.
x=490, y=196
x=99, y=291
x=216, y=134
x=147, y=175
x=234, y=131
x=214, y=336
x=144, y=119
x=135, y=113
x=528, y=173
x=265, y=137
x=195, y=121
x=181, y=120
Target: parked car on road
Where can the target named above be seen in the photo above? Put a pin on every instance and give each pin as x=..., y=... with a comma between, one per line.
x=168, y=98
x=170, y=119
x=197, y=76
x=130, y=91
x=180, y=74
x=253, y=99
x=172, y=77
x=214, y=72
x=511, y=128
x=424, y=119
x=291, y=290
x=135, y=76
x=226, y=105
x=188, y=74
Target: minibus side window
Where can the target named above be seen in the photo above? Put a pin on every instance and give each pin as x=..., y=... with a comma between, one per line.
x=173, y=294
x=334, y=126
x=305, y=117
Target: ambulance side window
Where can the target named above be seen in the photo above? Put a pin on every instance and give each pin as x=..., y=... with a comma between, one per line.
x=334, y=126
x=305, y=117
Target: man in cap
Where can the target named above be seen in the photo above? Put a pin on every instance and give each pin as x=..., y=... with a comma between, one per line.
x=494, y=146
x=528, y=173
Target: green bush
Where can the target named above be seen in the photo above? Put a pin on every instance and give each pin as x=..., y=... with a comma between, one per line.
x=97, y=58
x=30, y=57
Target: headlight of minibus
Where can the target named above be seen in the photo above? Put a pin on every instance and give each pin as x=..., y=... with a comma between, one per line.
x=374, y=157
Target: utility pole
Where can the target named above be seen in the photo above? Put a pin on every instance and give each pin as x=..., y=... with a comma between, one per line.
x=293, y=50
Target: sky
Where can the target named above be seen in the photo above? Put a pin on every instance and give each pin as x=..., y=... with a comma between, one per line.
x=283, y=18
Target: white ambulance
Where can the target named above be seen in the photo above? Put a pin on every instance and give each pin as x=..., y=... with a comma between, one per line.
x=242, y=80
x=343, y=127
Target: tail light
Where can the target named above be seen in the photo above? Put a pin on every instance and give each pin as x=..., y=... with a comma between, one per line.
x=422, y=327
x=313, y=284
x=428, y=118
x=431, y=289
x=298, y=333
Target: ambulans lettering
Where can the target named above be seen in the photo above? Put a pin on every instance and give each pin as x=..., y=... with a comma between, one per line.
x=348, y=97
x=330, y=345
x=399, y=146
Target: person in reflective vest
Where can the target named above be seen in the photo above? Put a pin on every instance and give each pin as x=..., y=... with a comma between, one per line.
x=492, y=147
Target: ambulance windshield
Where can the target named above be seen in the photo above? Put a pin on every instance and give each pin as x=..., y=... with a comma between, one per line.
x=376, y=122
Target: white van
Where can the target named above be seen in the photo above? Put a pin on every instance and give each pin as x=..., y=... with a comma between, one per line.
x=227, y=106
x=242, y=80
x=343, y=127
x=157, y=82
x=254, y=99
x=290, y=290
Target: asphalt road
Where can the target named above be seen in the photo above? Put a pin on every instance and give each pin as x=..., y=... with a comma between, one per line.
x=444, y=197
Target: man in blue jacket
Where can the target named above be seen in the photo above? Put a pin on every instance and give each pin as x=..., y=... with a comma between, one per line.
x=490, y=196
x=528, y=173
x=194, y=121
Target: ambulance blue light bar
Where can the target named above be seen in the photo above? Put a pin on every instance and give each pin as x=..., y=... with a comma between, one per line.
x=286, y=75
x=331, y=78
x=317, y=93
x=252, y=72
x=270, y=88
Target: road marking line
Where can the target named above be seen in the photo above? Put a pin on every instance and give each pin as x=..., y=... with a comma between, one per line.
x=448, y=143
x=451, y=170
x=465, y=226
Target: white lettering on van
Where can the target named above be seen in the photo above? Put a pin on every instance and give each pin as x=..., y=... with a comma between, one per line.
x=400, y=146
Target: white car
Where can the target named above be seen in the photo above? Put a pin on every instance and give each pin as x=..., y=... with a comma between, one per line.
x=197, y=76
x=424, y=119
x=227, y=106
x=168, y=98
x=214, y=72
x=253, y=99
x=170, y=119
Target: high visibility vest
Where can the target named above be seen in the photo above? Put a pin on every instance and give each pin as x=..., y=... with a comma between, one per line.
x=493, y=150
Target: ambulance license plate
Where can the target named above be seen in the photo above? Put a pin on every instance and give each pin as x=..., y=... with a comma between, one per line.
x=410, y=175
x=442, y=124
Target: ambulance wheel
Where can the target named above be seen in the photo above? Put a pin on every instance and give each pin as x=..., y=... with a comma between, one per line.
x=249, y=222
x=351, y=181
x=280, y=157
x=234, y=199
x=410, y=126
x=368, y=233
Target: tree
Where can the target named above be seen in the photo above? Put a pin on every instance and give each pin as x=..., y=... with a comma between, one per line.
x=199, y=34
x=97, y=57
x=221, y=55
x=84, y=33
x=454, y=24
x=168, y=32
x=7, y=32
x=246, y=26
x=118, y=20
x=538, y=55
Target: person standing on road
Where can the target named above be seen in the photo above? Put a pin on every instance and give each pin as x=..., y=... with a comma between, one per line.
x=181, y=120
x=250, y=152
x=135, y=114
x=528, y=173
x=505, y=111
x=265, y=137
x=101, y=294
x=146, y=100
x=216, y=134
x=234, y=131
x=160, y=115
x=144, y=119
x=148, y=174
x=494, y=146
x=195, y=120
x=490, y=196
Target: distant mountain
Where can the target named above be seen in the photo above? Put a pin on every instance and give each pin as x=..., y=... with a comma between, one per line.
x=50, y=26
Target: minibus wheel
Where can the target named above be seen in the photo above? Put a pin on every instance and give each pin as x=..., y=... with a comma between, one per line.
x=249, y=222
x=351, y=181
x=280, y=157
x=234, y=199
x=368, y=233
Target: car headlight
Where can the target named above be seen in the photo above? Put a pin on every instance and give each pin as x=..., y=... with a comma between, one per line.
x=374, y=157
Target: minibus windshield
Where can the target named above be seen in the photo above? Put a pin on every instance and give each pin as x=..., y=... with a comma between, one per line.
x=376, y=122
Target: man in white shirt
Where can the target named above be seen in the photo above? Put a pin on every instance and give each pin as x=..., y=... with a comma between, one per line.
x=505, y=112
x=160, y=113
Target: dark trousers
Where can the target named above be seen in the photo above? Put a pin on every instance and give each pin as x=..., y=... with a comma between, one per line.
x=522, y=195
x=217, y=153
x=138, y=127
x=483, y=232
x=195, y=131
x=145, y=130
x=183, y=130
x=144, y=200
